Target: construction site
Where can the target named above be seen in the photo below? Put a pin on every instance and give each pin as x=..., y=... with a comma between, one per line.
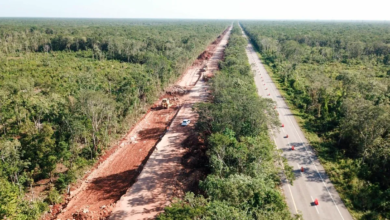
x=157, y=139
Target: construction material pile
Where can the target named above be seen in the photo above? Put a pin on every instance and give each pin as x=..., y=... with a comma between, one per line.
x=176, y=89
x=206, y=55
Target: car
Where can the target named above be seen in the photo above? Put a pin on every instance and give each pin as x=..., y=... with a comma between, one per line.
x=186, y=122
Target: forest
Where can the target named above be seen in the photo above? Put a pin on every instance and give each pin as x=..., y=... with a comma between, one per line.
x=337, y=75
x=69, y=88
x=243, y=182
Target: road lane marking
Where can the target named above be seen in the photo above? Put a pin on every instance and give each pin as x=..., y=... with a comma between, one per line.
x=288, y=185
x=323, y=182
x=310, y=158
x=289, y=188
x=288, y=118
x=295, y=206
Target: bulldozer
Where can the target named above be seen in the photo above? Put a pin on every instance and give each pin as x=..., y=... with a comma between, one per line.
x=165, y=103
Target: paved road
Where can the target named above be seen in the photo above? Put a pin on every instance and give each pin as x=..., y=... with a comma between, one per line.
x=311, y=184
x=156, y=185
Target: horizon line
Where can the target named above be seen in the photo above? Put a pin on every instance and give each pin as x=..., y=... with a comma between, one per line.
x=254, y=19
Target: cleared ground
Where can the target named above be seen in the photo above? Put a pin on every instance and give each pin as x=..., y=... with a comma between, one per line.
x=156, y=185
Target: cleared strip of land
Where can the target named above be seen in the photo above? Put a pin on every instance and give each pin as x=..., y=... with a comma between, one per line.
x=155, y=187
x=116, y=172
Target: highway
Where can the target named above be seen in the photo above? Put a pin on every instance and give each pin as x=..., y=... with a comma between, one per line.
x=311, y=184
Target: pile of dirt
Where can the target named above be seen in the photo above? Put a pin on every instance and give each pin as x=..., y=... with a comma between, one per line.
x=177, y=90
x=219, y=38
x=86, y=214
x=206, y=55
x=54, y=210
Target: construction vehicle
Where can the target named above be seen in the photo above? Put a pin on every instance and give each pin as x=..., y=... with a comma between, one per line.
x=165, y=103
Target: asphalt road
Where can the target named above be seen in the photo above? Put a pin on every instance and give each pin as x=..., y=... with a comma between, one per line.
x=311, y=184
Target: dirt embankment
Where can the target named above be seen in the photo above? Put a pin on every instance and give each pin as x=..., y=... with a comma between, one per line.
x=95, y=195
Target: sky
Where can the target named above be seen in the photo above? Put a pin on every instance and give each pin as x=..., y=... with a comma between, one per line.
x=201, y=9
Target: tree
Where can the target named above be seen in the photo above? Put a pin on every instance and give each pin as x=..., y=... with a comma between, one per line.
x=244, y=191
x=41, y=151
x=364, y=126
x=335, y=74
x=11, y=163
x=8, y=199
x=99, y=109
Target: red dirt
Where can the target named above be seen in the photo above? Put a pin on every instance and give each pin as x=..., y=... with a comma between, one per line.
x=160, y=180
x=95, y=195
x=117, y=175
x=206, y=55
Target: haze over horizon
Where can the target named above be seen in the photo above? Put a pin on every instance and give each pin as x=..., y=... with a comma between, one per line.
x=201, y=9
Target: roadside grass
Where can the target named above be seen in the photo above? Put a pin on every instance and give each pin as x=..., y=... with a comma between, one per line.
x=337, y=166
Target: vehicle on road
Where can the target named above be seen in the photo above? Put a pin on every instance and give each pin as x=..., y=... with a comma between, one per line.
x=186, y=122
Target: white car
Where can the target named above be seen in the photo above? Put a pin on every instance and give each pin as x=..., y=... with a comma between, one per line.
x=185, y=122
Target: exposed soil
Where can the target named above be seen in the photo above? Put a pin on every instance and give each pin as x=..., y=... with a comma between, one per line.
x=40, y=188
x=194, y=160
x=164, y=177
x=95, y=195
x=206, y=55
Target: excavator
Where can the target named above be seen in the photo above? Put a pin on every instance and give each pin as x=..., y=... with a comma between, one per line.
x=165, y=103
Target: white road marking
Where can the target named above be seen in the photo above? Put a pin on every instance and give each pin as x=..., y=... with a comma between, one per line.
x=311, y=160
x=289, y=188
x=323, y=182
